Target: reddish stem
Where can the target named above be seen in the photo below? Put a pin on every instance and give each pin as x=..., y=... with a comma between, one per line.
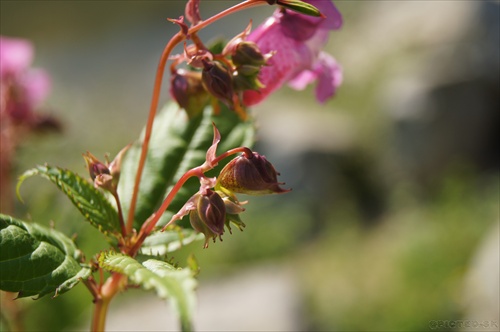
x=113, y=285
x=246, y=151
x=150, y=224
x=179, y=37
x=120, y=214
x=149, y=125
x=199, y=171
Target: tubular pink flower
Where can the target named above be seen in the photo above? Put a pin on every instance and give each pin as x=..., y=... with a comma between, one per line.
x=296, y=41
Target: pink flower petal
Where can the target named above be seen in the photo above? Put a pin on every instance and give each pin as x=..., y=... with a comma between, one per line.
x=303, y=79
x=290, y=57
x=16, y=55
x=297, y=41
x=329, y=75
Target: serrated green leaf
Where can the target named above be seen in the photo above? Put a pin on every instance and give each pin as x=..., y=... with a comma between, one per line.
x=177, y=285
x=177, y=144
x=161, y=243
x=92, y=203
x=35, y=260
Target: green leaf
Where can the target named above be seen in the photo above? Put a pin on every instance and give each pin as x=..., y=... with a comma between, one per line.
x=300, y=7
x=35, y=260
x=92, y=203
x=178, y=285
x=161, y=243
x=177, y=144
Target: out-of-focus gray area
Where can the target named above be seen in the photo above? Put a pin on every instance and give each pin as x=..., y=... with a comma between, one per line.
x=392, y=223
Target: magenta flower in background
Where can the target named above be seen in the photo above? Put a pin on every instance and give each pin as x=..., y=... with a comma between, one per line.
x=22, y=88
x=296, y=40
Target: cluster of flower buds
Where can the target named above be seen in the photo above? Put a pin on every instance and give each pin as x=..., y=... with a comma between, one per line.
x=221, y=72
x=287, y=48
x=215, y=205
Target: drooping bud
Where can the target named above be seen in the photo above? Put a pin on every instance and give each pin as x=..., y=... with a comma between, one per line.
x=209, y=216
x=249, y=174
x=187, y=89
x=218, y=81
x=247, y=53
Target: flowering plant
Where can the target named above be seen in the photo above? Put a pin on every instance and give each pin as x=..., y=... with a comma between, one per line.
x=137, y=199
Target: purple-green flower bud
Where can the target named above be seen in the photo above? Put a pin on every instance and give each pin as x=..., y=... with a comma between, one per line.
x=248, y=53
x=187, y=89
x=252, y=175
x=209, y=216
x=218, y=81
x=95, y=166
x=99, y=173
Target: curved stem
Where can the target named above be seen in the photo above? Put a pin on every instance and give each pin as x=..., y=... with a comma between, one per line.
x=246, y=151
x=149, y=125
x=150, y=224
x=179, y=37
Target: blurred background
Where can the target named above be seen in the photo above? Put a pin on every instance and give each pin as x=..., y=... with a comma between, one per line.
x=393, y=221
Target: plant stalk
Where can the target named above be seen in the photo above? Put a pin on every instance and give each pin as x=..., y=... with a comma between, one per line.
x=178, y=38
x=113, y=285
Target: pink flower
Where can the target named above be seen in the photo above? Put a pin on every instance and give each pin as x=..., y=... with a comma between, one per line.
x=297, y=40
x=23, y=88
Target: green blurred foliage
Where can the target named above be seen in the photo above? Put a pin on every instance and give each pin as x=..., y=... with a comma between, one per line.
x=405, y=272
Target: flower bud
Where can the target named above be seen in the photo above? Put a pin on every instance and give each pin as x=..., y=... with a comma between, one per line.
x=248, y=53
x=209, y=216
x=218, y=81
x=95, y=166
x=252, y=175
x=187, y=89
x=99, y=173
